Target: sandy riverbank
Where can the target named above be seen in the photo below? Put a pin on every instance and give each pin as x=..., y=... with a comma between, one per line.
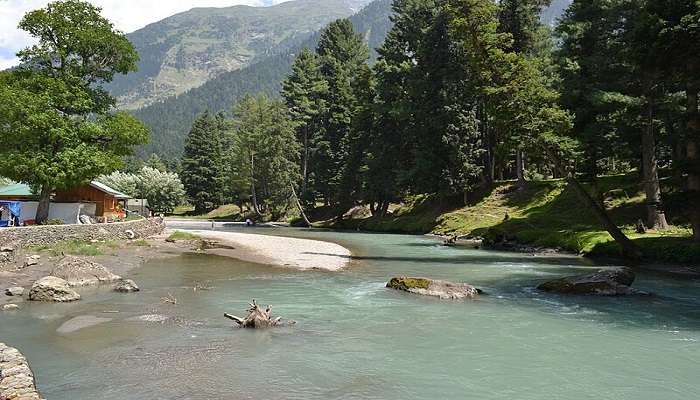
x=302, y=254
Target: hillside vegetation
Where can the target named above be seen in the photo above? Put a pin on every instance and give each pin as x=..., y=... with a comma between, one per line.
x=543, y=214
x=170, y=118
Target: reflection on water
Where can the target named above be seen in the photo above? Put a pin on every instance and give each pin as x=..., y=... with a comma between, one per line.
x=356, y=339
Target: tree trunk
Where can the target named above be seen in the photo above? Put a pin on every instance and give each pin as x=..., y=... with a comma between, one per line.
x=301, y=209
x=253, y=194
x=305, y=166
x=656, y=219
x=42, y=210
x=257, y=317
x=629, y=249
x=520, y=166
x=692, y=155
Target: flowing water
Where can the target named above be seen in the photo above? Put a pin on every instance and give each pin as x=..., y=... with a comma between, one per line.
x=357, y=340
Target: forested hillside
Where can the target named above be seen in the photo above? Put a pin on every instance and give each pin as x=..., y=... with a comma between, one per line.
x=184, y=51
x=169, y=120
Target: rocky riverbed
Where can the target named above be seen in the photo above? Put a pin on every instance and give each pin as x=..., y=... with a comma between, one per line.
x=23, y=267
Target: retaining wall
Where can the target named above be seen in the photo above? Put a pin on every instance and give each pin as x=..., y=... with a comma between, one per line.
x=48, y=234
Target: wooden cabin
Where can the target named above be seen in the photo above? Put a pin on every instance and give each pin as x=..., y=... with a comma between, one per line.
x=109, y=203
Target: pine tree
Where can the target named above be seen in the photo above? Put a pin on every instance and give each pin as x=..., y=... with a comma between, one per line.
x=521, y=19
x=671, y=34
x=342, y=54
x=265, y=153
x=202, y=169
x=304, y=91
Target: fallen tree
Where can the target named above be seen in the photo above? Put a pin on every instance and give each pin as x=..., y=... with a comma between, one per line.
x=257, y=318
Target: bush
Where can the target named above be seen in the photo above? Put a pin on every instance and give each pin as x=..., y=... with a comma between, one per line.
x=163, y=190
x=54, y=221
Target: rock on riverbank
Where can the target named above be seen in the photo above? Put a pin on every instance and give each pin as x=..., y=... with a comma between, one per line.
x=435, y=288
x=16, y=378
x=51, y=288
x=81, y=272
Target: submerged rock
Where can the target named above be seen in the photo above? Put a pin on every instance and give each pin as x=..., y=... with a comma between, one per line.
x=51, y=288
x=10, y=307
x=436, y=288
x=14, y=291
x=126, y=286
x=607, y=282
x=81, y=322
x=81, y=272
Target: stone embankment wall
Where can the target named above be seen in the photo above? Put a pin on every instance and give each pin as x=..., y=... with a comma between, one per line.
x=16, y=378
x=48, y=234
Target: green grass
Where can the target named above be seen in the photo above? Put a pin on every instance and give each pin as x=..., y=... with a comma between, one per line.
x=77, y=248
x=140, y=243
x=228, y=212
x=547, y=214
x=180, y=235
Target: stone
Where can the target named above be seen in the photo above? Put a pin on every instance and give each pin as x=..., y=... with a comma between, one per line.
x=29, y=261
x=436, y=288
x=16, y=377
x=52, y=288
x=126, y=286
x=14, y=291
x=81, y=272
x=606, y=282
x=10, y=307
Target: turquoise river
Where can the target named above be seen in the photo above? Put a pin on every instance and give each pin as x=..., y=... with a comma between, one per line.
x=355, y=339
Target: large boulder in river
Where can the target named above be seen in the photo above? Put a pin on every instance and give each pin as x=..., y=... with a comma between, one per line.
x=436, y=288
x=51, y=288
x=126, y=286
x=607, y=282
x=81, y=272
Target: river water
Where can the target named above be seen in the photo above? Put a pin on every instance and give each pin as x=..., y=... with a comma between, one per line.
x=357, y=340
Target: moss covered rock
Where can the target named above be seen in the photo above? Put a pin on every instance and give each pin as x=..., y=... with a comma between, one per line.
x=431, y=287
x=609, y=282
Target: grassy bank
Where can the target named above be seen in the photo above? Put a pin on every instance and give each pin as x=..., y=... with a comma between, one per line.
x=227, y=212
x=547, y=214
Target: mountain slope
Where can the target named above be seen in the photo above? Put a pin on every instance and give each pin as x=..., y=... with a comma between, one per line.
x=170, y=120
x=187, y=49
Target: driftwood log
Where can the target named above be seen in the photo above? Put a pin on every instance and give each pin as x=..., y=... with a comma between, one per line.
x=257, y=317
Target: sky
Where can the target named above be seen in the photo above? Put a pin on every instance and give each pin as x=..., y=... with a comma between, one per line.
x=127, y=16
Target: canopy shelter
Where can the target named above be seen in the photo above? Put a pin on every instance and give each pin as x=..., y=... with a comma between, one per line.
x=10, y=212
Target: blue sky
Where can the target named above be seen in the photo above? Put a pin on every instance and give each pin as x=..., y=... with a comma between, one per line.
x=127, y=16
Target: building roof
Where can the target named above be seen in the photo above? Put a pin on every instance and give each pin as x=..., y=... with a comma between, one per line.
x=104, y=188
x=16, y=190
x=22, y=190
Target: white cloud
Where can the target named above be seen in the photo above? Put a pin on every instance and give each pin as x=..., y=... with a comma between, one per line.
x=127, y=16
